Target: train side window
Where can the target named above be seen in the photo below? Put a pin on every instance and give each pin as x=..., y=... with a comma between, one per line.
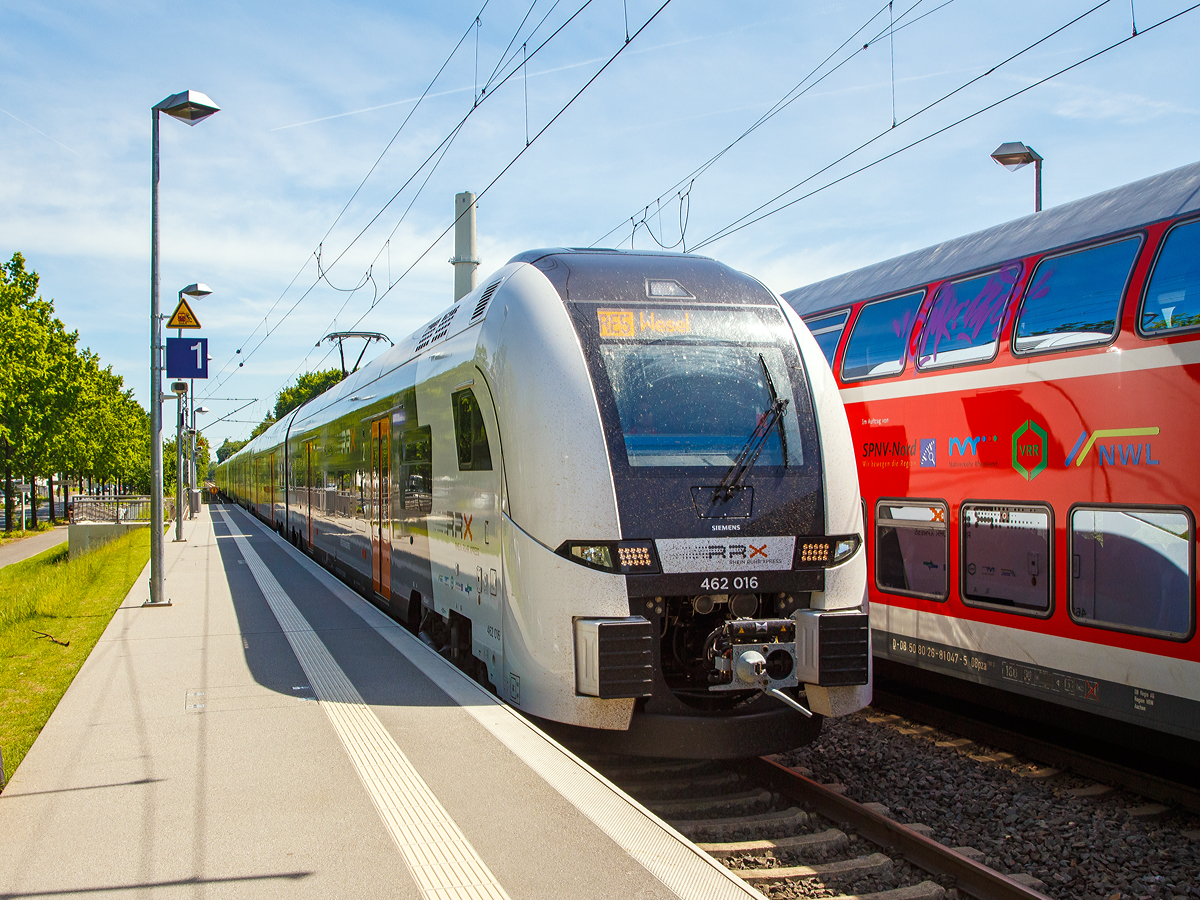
x=470, y=436
x=964, y=322
x=879, y=339
x=416, y=474
x=1133, y=570
x=1074, y=299
x=1006, y=556
x=1172, y=301
x=910, y=548
x=827, y=329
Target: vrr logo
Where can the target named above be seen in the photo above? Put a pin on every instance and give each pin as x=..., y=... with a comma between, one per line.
x=1030, y=451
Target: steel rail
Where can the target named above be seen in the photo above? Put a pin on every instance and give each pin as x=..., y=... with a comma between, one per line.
x=1153, y=787
x=971, y=877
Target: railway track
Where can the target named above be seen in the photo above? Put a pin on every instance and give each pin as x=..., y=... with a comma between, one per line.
x=790, y=837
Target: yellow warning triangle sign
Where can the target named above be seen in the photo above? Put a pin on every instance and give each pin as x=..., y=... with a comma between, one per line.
x=183, y=317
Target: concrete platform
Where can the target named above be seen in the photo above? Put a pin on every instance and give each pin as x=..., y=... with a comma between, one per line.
x=272, y=734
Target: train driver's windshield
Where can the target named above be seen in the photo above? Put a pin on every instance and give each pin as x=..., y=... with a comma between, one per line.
x=697, y=404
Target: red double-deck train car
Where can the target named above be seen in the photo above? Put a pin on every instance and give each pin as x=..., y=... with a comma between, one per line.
x=1024, y=403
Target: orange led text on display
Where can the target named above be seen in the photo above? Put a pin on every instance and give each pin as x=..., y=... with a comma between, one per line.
x=621, y=323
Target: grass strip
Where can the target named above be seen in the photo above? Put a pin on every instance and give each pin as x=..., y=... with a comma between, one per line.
x=72, y=602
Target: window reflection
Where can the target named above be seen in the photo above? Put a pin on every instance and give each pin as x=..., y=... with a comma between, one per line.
x=1173, y=295
x=879, y=340
x=966, y=317
x=828, y=330
x=1074, y=299
x=1006, y=555
x=1131, y=569
x=910, y=548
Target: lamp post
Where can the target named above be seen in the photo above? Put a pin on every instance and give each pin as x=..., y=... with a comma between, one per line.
x=1015, y=155
x=195, y=291
x=190, y=107
x=203, y=410
x=180, y=388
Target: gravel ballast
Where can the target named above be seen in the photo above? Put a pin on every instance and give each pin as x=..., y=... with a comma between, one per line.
x=1082, y=848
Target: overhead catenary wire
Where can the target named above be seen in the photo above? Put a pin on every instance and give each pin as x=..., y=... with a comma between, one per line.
x=318, y=253
x=506, y=168
x=365, y=178
x=790, y=97
x=520, y=153
x=440, y=149
x=892, y=44
x=745, y=222
x=922, y=110
x=226, y=371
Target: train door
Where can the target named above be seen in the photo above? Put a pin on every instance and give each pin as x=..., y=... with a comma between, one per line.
x=272, y=472
x=308, y=489
x=475, y=524
x=412, y=486
x=380, y=506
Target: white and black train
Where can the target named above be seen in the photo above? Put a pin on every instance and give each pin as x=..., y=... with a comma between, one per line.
x=617, y=487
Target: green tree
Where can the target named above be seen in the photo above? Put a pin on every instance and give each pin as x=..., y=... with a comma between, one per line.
x=229, y=448
x=60, y=411
x=267, y=422
x=37, y=387
x=307, y=386
x=169, y=460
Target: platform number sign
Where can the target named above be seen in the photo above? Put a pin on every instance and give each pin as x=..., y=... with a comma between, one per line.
x=187, y=357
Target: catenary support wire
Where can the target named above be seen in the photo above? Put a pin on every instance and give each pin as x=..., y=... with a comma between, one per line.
x=723, y=233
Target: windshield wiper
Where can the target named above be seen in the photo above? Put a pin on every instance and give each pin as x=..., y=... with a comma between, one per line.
x=754, y=444
x=774, y=401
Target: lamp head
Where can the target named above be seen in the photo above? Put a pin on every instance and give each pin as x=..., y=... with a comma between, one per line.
x=203, y=410
x=189, y=106
x=196, y=290
x=1015, y=155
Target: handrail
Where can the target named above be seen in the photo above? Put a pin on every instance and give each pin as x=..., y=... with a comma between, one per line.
x=127, y=510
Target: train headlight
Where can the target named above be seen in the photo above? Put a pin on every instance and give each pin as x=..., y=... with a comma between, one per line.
x=621, y=557
x=844, y=548
x=812, y=553
x=598, y=555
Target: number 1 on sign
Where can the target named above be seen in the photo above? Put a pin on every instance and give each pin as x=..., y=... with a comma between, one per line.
x=199, y=360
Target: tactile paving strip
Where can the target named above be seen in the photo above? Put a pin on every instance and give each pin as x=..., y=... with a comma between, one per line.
x=442, y=861
x=683, y=868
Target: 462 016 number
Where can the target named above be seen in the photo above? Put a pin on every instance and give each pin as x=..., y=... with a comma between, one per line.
x=747, y=583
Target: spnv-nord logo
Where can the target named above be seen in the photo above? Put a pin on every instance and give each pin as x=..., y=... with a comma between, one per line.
x=1030, y=452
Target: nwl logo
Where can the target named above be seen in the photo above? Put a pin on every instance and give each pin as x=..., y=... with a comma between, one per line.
x=1109, y=454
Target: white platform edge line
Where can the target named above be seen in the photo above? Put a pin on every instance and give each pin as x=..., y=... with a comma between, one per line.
x=460, y=872
x=684, y=869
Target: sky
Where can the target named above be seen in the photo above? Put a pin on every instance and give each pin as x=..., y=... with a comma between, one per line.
x=320, y=196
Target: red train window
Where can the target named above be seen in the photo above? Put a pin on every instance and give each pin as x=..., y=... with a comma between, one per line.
x=1132, y=570
x=910, y=548
x=1006, y=558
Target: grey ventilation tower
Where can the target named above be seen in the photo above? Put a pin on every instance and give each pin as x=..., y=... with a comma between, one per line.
x=465, y=260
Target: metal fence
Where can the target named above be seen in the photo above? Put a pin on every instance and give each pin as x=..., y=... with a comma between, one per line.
x=118, y=509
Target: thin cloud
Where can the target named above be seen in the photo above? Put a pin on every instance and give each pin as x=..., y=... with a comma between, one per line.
x=463, y=90
x=42, y=133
